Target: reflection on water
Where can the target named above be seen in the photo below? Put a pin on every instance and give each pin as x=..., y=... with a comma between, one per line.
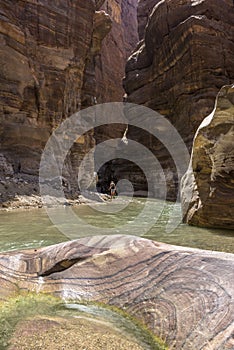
x=33, y=228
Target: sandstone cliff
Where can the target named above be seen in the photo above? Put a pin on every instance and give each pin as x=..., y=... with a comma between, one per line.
x=50, y=63
x=116, y=48
x=185, y=57
x=47, y=52
x=207, y=187
x=144, y=10
x=110, y=69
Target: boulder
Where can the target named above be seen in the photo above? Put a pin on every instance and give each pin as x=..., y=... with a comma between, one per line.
x=207, y=189
x=185, y=296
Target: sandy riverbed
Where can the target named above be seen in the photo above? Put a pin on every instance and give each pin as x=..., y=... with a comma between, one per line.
x=74, y=334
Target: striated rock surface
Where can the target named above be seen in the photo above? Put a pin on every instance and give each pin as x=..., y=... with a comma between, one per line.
x=111, y=60
x=185, y=57
x=208, y=186
x=144, y=10
x=116, y=48
x=110, y=70
x=52, y=65
x=185, y=296
x=46, y=74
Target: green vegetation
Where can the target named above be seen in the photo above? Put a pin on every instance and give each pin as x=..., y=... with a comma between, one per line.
x=29, y=305
x=22, y=307
x=136, y=327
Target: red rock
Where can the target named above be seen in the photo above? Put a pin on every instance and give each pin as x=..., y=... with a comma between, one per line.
x=49, y=68
x=110, y=69
x=186, y=56
x=116, y=48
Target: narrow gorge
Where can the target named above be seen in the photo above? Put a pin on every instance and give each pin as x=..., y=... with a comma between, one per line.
x=184, y=58
x=141, y=93
x=56, y=62
x=52, y=65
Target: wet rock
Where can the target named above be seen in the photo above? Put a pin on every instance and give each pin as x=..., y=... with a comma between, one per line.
x=159, y=284
x=208, y=188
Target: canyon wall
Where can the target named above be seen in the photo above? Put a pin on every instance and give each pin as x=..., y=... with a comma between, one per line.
x=111, y=60
x=51, y=67
x=116, y=48
x=46, y=73
x=185, y=57
x=110, y=70
x=144, y=10
x=208, y=188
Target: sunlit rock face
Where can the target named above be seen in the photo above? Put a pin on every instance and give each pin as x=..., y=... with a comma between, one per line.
x=185, y=57
x=208, y=187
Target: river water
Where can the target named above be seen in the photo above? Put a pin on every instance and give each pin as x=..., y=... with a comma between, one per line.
x=20, y=229
x=33, y=228
x=101, y=317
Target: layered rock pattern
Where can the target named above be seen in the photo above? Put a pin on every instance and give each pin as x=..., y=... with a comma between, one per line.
x=47, y=74
x=185, y=57
x=144, y=10
x=116, y=48
x=111, y=60
x=51, y=67
x=208, y=187
x=110, y=70
x=185, y=296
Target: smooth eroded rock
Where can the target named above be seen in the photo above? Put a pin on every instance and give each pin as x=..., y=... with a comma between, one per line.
x=208, y=186
x=185, y=296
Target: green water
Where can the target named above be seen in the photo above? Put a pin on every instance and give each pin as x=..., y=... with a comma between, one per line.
x=29, y=306
x=33, y=228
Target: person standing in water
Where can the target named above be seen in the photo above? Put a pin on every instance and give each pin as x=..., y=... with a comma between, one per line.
x=112, y=189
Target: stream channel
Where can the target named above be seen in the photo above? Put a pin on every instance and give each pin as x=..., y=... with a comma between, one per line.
x=24, y=229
